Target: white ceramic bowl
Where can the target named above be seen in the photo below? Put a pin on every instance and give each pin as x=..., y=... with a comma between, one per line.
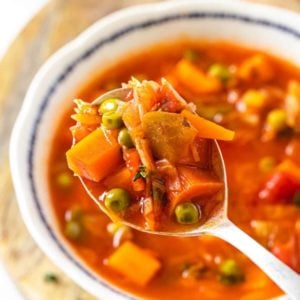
x=261, y=27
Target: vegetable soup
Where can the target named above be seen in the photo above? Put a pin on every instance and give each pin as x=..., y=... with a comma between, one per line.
x=130, y=148
x=253, y=94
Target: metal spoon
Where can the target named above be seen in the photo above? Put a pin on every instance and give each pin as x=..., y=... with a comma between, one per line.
x=219, y=225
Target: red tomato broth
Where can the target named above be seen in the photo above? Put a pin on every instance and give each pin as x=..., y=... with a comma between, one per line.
x=244, y=177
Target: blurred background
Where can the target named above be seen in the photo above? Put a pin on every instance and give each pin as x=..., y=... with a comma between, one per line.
x=14, y=14
x=30, y=31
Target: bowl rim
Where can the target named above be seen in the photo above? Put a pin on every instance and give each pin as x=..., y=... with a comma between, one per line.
x=77, y=46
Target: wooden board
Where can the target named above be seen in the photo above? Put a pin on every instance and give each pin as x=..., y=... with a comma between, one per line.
x=56, y=24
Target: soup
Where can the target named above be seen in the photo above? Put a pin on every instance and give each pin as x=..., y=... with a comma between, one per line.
x=258, y=97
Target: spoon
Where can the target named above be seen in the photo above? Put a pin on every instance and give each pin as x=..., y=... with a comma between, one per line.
x=218, y=224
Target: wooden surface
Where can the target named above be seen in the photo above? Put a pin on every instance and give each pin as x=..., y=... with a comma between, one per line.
x=57, y=23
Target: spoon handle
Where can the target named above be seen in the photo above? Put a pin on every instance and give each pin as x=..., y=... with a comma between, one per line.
x=280, y=273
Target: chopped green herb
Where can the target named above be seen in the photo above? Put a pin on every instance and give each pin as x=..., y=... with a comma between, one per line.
x=51, y=278
x=142, y=173
x=158, y=189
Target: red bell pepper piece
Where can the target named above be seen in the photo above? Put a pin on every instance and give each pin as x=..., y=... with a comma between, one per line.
x=279, y=188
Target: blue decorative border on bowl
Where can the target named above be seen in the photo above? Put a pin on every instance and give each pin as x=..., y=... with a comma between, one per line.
x=88, y=53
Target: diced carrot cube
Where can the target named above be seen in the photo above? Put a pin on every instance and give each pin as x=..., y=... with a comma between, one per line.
x=121, y=177
x=208, y=129
x=95, y=156
x=79, y=132
x=194, y=79
x=195, y=183
x=256, y=68
x=280, y=187
x=135, y=263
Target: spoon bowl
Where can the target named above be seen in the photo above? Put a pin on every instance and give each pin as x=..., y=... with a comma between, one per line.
x=217, y=215
x=217, y=224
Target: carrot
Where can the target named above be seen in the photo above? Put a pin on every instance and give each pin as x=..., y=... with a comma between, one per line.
x=195, y=183
x=135, y=263
x=289, y=167
x=208, y=129
x=87, y=119
x=121, y=177
x=133, y=164
x=279, y=188
x=193, y=78
x=95, y=156
x=79, y=132
x=256, y=68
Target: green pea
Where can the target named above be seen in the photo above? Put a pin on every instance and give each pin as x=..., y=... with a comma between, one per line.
x=296, y=199
x=187, y=213
x=267, y=163
x=277, y=119
x=112, y=120
x=73, y=214
x=64, y=180
x=73, y=230
x=125, y=139
x=230, y=272
x=108, y=105
x=191, y=55
x=117, y=200
x=219, y=71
